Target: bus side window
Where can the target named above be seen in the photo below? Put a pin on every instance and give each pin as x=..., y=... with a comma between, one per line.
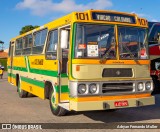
x=27, y=45
x=39, y=41
x=19, y=43
x=51, y=51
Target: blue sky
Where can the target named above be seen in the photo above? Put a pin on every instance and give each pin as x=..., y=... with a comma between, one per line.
x=15, y=14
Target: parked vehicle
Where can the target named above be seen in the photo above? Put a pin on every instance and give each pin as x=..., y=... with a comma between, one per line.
x=1, y=71
x=154, y=50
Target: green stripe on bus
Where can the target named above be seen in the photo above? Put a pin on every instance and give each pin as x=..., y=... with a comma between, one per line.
x=64, y=89
x=41, y=72
x=11, y=75
x=34, y=82
x=64, y=75
x=20, y=68
x=44, y=72
x=73, y=49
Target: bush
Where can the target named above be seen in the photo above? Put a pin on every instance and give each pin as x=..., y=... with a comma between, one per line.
x=3, y=62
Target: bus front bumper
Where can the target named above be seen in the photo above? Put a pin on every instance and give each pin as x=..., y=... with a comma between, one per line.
x=111, y=104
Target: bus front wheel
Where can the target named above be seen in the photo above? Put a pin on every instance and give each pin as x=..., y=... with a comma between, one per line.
x=21, y=92
x=56, y=110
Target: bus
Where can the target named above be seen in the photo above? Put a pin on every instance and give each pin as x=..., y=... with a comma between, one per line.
x=84, y=61
x=154, y=51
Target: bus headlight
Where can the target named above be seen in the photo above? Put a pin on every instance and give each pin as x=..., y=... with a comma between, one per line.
x=140, y=86
x=82, y=89
x=92, y=88
x=148, y=86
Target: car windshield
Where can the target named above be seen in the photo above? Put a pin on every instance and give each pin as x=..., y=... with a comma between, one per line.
x=132, y=43
x=94, y=41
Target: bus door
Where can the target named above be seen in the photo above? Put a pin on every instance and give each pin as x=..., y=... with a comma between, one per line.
x=64, y=65
x=11, y=63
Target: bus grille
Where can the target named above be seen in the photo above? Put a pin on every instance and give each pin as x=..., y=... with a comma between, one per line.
x=117, y=72
x=117, y=87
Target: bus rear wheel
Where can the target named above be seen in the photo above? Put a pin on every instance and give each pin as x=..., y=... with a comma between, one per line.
x=55, y=109
x=21, y=93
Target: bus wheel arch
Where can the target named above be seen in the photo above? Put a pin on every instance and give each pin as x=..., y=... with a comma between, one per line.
x=47, y=89
x=50, y=93
x=22, y=93
x=17, y=80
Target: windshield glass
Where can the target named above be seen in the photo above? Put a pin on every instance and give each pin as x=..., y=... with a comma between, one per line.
x=132, y=43
x=95, y=41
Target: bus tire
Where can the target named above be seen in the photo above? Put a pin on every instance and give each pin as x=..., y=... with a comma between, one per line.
x=55, y=109
x=21, y=93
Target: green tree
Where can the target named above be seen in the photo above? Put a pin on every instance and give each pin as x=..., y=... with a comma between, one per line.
x=27, y=28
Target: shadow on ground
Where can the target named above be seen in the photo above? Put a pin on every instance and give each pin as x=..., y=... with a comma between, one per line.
x=127, y=114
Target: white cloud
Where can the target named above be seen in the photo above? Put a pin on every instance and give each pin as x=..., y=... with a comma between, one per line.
x=154, y=20
x=42, y=7
x=140, y=14
x=147, y=16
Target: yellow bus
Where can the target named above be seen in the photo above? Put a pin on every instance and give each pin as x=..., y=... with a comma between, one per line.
x=91, y=60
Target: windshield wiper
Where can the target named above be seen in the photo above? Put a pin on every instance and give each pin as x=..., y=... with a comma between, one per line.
x=131, y=54
x=105, y=56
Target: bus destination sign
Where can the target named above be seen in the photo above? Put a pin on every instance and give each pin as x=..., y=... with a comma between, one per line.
x=110, y=17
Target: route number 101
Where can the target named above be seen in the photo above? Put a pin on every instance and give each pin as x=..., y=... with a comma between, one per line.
x=82, y=16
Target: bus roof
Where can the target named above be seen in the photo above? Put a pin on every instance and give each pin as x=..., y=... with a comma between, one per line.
x=70, y=18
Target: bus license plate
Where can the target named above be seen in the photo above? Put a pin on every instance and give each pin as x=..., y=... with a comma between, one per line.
x=121, y=103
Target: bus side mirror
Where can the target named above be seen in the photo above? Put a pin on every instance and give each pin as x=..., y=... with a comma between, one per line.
x=64, y=39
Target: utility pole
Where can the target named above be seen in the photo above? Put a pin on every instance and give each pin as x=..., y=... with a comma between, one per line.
x=1, y=46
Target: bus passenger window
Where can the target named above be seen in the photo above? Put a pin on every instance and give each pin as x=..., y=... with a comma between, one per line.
x=19, y=43
x=39, y=41
x=51, y=52
x=27, y=45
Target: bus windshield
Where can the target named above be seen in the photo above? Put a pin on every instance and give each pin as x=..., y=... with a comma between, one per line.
x=94, y=41
x=98, y=41
x=132, y=43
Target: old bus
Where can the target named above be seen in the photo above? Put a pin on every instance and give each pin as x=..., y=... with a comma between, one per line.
x=91, y=60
